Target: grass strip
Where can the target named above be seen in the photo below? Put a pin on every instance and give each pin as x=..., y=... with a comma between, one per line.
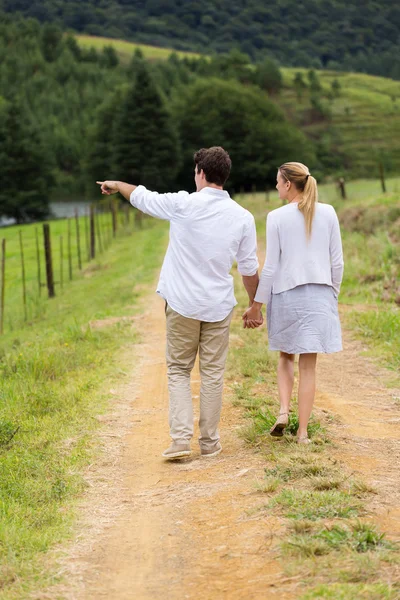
x=55, y=376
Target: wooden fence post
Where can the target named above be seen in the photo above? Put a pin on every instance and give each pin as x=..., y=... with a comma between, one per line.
x=78, y=239
x=92, y=234
x=382, y=177
x=342, y=188
x=97, y=219
x=3, y=284
x=21, y=247
x=86, y=220
x=38, y=262
x=114, y=217
x=69, y=250
x=49, y=262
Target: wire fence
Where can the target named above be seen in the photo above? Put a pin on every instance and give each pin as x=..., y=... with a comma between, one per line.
x=38, y=261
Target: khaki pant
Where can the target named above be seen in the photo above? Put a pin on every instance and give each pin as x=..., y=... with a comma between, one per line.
x=184, y=338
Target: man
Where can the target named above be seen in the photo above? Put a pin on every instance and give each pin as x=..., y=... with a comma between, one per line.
x=208, y=232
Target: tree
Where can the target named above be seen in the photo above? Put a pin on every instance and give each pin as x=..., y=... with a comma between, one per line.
x=299, y=85
x=246, y=123
x=268, y=76
x=336, y=88
x=99, y=159
x=109, y=57
x=51, y=41
x=146, y=145
x=315, y=84
x=26, y=166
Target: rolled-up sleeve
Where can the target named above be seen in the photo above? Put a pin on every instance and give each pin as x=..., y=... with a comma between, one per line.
x=271, y=262
x=336, y=254
x=162, y=206
x=247, y=253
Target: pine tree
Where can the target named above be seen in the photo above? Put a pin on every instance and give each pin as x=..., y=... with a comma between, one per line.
x=299, y=85
x=146, y=146
x=99, y=162
x=26, y=166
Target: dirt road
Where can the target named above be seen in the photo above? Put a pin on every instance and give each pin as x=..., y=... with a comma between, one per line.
x=157, y=530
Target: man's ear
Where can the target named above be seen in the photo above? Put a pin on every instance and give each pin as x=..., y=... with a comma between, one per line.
x=202, y=174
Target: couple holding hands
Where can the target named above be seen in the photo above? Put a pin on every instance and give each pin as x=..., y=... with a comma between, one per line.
x=299, y=285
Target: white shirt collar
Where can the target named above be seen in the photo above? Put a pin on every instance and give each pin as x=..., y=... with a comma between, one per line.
x=214, y=192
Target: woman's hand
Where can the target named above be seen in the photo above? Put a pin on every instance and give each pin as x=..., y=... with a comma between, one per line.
x=253, y=318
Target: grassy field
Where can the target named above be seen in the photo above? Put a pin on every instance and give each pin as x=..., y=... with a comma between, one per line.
x=52, y=387
x=15, y=313
x=365, y=119
x=125, y=50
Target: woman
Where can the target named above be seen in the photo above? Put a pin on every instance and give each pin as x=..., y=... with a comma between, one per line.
x=300, y=284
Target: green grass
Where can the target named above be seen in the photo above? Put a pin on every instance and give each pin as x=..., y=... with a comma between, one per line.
x=36, y=297
x=327, y=504
x=125, y=50
x=349, y=591
x=381, y=330
x=360, y=537
x=54, y=380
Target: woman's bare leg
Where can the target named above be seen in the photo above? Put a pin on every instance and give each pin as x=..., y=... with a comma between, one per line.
x=285, y=380
x=307, y=363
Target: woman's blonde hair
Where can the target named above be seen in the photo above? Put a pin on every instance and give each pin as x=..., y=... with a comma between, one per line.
x=299, y=175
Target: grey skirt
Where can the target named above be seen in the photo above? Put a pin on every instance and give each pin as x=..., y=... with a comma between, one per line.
x=304, y=320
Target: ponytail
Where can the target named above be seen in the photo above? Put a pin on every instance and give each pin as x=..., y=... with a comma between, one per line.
x=306, y=204
x=299, y=175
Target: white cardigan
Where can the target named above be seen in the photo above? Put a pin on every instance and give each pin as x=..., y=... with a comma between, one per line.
x=293, y=260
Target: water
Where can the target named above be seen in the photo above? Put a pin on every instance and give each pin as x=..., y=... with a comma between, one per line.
x=59, y=210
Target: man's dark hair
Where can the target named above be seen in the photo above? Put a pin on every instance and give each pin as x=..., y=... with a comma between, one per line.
x=215, y=162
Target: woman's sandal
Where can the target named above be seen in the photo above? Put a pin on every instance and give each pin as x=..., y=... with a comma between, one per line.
x=303, y=440
x=280, y=424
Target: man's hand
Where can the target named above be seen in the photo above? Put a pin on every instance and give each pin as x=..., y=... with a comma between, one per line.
x=252, y=318
x=109, y=187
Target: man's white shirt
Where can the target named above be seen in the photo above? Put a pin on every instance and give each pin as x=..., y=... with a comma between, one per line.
x=208, y=232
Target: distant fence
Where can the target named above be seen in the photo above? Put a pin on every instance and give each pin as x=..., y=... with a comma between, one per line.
x=38, y=261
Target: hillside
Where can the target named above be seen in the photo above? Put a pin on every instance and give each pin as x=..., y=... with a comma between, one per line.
x=363, y=125
x=332, y=34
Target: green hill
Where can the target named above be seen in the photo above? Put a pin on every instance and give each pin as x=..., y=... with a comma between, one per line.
x=329, y=34
x=364, y=123
x=362, y=127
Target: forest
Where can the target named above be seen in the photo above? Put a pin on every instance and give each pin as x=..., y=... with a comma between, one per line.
x=69, y=116
x=333, y=34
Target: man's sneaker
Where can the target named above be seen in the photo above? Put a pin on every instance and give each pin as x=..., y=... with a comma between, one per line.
x=177, y=450
x=209, y=452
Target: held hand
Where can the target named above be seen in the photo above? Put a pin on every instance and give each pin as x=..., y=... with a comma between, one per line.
x=108, y=187
x=252, y=318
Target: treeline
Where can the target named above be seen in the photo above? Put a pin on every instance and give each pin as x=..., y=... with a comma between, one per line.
x=332, y=34
x=70, y=116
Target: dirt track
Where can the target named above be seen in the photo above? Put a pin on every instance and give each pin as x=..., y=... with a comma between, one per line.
x=156, y=530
